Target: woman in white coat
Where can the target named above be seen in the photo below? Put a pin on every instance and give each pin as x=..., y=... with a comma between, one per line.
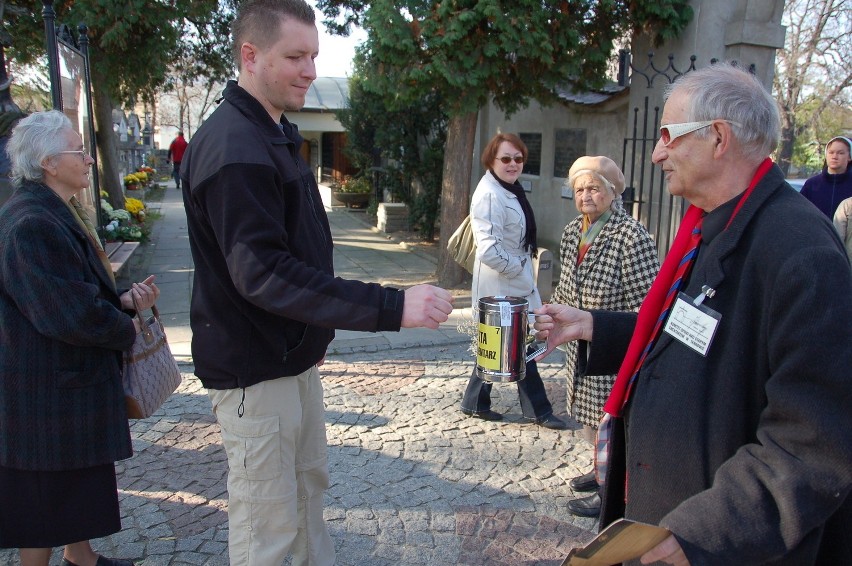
x=504, y=227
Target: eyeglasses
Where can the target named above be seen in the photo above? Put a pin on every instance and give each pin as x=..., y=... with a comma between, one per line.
x=83, y=154
x=506, y=159
x=670, y=132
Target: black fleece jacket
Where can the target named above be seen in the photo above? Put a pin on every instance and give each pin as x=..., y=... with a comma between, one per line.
x=265, y=300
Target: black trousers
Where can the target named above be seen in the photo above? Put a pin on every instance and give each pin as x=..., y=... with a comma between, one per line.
x=533, y=397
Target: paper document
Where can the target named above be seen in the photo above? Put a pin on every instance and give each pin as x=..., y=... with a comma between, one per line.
x=622, y=540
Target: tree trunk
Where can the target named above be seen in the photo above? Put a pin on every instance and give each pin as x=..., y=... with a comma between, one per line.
x=108, y=170
x=455, y=191
x=785, y=149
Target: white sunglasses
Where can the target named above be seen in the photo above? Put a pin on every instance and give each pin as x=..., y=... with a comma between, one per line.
x=670, y=132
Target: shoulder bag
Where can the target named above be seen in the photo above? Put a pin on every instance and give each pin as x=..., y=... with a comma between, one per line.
x=462, y=245
x=151, y=373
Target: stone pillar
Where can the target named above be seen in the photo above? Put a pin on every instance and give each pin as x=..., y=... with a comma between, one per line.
x=745, y=31
x=753, y=35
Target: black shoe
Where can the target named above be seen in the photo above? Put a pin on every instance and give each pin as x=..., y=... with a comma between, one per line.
x=488, y=415
x=552, y=422
x=586, y=482
x=586, y=506
x=102, y=561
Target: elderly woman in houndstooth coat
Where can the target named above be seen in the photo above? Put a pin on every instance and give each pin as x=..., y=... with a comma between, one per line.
x=608, y=263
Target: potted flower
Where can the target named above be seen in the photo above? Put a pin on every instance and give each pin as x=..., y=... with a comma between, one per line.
x=354, y=192
x=132, y=181
x=136, y=208
x=124, y=225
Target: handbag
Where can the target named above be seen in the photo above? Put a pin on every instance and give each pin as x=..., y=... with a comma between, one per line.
x=462, y=245
x=151, y=373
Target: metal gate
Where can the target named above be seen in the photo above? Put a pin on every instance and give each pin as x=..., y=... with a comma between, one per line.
x=645, y=194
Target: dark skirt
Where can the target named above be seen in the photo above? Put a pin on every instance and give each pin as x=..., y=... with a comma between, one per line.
x=49, y=509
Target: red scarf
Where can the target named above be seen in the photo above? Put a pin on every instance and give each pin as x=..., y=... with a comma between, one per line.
x=653, y=304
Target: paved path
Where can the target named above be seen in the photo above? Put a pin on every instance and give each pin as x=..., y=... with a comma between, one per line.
x=413, y=481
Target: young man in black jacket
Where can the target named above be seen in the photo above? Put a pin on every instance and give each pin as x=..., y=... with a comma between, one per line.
x=265, y=299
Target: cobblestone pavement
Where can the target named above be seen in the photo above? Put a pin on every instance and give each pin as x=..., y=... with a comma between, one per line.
x=413, y=481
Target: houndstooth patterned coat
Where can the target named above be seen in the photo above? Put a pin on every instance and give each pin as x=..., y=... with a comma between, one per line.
x=615, y=274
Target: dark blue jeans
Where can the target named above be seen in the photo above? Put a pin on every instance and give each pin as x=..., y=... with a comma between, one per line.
x=176, y=173
x=534, y=402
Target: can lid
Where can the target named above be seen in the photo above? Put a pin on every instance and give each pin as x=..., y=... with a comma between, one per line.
x=500, y=300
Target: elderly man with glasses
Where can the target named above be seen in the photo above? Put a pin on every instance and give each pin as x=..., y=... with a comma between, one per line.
x=729, y=421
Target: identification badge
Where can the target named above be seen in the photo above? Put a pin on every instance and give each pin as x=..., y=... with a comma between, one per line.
x=692, y=324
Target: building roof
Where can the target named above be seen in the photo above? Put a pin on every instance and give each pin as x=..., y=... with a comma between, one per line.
x=568, y=93
x=327, y=94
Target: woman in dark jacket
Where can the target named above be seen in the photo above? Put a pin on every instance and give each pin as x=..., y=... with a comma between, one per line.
x=63, y=328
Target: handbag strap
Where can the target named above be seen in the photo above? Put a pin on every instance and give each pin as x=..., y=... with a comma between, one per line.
x=147, y=333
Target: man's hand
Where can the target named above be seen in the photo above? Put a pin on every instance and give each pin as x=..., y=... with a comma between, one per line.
x=560, y=324
x=426, y=306
x=668, y=551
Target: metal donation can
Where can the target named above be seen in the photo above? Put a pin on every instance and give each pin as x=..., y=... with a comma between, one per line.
x=501, y=340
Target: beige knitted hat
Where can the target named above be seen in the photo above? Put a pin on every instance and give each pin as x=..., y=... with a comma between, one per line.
x=603, y=166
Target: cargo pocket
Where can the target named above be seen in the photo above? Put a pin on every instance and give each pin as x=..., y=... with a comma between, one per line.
x=253, y=446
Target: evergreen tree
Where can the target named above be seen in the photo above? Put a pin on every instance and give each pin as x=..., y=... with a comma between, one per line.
x=471, y=52
x=132, y=43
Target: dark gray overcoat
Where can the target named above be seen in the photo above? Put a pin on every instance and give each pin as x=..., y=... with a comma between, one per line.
x=62, y=334
x=746, y=454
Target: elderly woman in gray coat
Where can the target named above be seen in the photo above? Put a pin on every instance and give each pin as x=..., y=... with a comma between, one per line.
x=608, y=262
x=504, y=227
x=63, y=327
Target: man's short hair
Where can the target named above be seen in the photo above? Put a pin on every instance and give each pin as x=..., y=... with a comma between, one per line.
x=723, y=91
x=259, y=22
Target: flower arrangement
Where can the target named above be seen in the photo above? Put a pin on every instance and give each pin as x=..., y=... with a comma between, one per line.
x=355, y=185
x=133, y=180
x=135, y=207
x=126, y=225
x=121, y=215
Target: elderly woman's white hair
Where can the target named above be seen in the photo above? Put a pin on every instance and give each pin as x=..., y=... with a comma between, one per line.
x=34, y=139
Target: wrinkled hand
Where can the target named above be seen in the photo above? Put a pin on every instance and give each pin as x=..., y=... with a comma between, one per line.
x=426, y=306
x=145, y=293
x=559, y=324
x=668, y=551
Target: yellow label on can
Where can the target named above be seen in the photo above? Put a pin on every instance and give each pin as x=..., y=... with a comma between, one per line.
x=488, y=347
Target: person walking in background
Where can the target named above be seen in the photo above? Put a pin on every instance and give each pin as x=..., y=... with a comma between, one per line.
x=175, y=156
x=843, y=224
x=834, y=185
x=63, y=331
x=265, y=300
x=608, y=262
x=729, y=421
x=503, y=225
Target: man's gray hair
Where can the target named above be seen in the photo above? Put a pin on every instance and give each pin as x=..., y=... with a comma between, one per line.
x=34, y=139
x=259, y=22
x=723, y=91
